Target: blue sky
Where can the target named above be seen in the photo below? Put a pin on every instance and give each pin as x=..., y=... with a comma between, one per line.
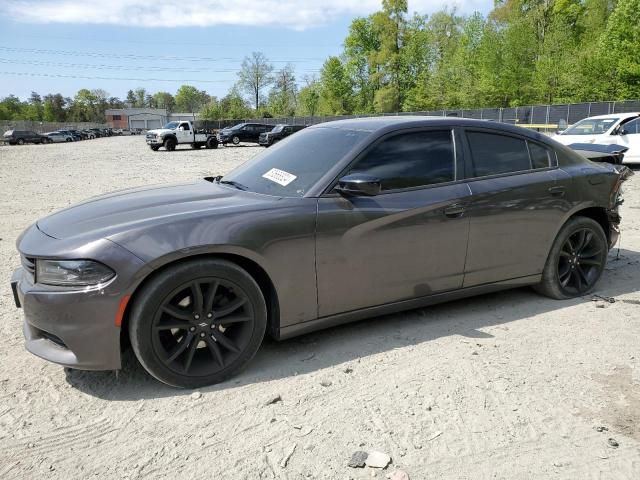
x=51, y=46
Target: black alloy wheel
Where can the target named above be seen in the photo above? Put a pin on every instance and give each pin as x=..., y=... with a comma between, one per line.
x=579, y=262
x=198, y=323
x=576, y=260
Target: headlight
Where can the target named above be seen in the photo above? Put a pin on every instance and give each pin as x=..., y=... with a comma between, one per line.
x=72, y=273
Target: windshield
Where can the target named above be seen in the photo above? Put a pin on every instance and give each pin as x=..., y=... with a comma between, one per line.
x=591, y=126
x=236, y=127
x=171, y=125
x=294, y=165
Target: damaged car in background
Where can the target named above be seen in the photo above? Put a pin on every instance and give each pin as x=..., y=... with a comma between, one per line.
x=342, y=221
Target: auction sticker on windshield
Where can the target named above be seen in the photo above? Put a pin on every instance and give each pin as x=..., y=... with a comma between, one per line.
x=279, y=176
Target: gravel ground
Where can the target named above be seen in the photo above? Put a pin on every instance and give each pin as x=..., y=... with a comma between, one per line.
x=510, y=385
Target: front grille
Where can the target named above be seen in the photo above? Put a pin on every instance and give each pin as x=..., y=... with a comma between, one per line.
x=29, y=264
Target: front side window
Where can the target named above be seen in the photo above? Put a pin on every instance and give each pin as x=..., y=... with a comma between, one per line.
x=185, y=126
x=494, y=154
x=410, y=160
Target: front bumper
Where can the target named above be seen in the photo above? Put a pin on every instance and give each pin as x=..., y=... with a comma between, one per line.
x=74, y=328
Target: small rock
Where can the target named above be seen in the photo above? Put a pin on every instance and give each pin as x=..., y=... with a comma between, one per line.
x=398, y=475
x=196, y=395
x=613, y=442
x=358, y=459
x=288, y=455
x=273, y=399
x=600, y=305
x=326, y=383
x=377, y=459
x=348, y=370
x=474, y=353
x=601, y=428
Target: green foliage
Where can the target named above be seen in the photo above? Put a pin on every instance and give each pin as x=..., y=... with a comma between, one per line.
x=189, y=99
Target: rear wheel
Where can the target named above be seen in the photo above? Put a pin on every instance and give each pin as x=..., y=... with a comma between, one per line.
x=198, y=323
x=212, y=143
x=20, y=141
x=576, y=260
x=170, y=144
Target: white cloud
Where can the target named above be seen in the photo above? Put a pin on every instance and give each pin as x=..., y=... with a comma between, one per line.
x=300, y=14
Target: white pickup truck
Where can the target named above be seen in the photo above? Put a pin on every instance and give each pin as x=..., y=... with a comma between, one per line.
x=179, y=133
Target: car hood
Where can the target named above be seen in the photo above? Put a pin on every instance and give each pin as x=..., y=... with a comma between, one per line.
x=114, y=213
x=159, y=131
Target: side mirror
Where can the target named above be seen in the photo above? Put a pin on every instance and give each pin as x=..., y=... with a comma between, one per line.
x=358, y=184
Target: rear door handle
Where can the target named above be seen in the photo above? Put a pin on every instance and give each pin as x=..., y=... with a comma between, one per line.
x=454, y=211
x=557, y=191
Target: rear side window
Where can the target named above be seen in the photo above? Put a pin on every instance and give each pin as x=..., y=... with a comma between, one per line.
x=410, y=160
x=540, y=156
x=493, y=154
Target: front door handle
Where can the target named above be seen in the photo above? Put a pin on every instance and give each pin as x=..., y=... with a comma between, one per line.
x=454, y=211
x=557, y=191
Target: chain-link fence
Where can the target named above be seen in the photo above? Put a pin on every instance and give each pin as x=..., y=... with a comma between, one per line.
x=43, y=127
x=543, y=118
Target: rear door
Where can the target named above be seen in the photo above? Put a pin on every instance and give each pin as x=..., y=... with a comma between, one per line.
x=517, y=205
x=407, y=242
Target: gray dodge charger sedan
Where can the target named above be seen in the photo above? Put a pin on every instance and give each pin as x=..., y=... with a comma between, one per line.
x=339, y=222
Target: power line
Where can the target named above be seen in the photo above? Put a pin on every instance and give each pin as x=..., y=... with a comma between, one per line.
x=124, y=67
x=55, y=75
x=40, y=51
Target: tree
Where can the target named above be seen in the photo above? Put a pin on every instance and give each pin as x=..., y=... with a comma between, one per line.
x=163, y=100
x=309, y=98
x=131, y=98
x=283, y=96
x=619, y=44
x=336, y=90
x=255, y=74
x=54, y=108
x=190, y=99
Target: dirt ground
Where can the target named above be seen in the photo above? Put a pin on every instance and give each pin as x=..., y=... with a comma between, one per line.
x=503, y=386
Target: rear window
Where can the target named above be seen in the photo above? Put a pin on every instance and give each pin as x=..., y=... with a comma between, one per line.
x=540, y=156
x=494, y=154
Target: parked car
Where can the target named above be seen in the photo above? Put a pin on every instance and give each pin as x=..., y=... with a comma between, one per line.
x=97, y=132
x=343, y=221
x=74, y=136
x=618, y=129
x=20, y=137
x=125, y=131
x=179, y=133
x=89, y=133
x=278, y=133
x=58, y=137
x=79, y=133
x=243, y=132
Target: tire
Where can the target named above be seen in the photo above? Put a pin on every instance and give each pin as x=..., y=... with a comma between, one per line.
x=170, y=144
x=212, y=143
x=576, y=260
x=235, y=140
x=69, y=139
x=186, y=350
x=20, y=141
x=155, y=148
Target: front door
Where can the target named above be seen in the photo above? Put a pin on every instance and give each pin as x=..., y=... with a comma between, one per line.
x=407, y=242
x=184, y=133
x=629, y=136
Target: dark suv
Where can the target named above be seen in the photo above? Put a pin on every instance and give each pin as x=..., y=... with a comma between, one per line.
x=20, y=137
x=278, y=133
x=243, y=132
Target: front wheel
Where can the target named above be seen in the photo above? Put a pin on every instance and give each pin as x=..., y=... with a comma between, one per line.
x=20, y=141
x=235, y=140
x=170, y=144
x=576, y=260
x=198, y=323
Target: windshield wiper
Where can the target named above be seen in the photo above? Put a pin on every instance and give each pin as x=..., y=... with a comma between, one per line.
x=237, y=185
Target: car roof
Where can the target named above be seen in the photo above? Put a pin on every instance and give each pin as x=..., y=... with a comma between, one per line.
x=390, y=123
x=615, y=115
